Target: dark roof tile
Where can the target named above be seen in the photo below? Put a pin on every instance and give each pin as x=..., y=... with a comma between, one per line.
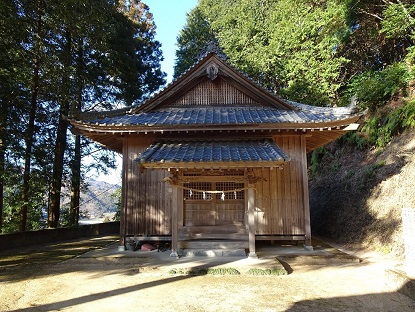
x=223, y=116
x=198, y=151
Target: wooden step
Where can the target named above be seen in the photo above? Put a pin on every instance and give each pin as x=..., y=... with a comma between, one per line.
x=213, y=244
x=213, y=253
x=217, y=229
x=217, y=236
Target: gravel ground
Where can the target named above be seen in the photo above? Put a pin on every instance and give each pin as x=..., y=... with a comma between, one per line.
x=120, y=283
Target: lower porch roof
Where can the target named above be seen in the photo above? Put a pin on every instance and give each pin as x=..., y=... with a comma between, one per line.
x=212, y=153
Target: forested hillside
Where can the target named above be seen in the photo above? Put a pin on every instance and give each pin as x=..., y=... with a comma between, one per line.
x=332, y=53
x=57, y=59
x=357, y=195
x=99, y=201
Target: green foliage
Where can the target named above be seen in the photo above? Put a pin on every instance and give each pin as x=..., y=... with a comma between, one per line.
x=371, y=169
x=288, y=49
x=274, y=271
x=117, y=197
x=311, y=51
x=205, y=271
x=380, y=128
x=316, y=160
x=135, y=52
x=194, y=35
x=60, y=57
x=322, y=160
x=407, y=115
x=356, y=138
x=374, y=88
x=398, y=20
x=13, y=201
x=366, y=46
x=223, y=271
x=227, y=271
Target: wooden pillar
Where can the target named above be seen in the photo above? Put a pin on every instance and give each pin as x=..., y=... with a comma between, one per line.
x=251, y=221
x=123, y=211
x=174, y=222
x=306, y=196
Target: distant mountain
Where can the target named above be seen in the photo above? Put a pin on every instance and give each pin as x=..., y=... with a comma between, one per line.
x=98, y=199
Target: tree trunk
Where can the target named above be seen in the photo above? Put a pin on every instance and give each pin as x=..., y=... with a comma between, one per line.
x=29, y=139
x=29, y=134
x=3, y=132
x=60, y=145
x=75, y=183
x=76, y=162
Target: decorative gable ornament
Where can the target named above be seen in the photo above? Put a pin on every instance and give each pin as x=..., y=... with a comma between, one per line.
x=212, y=71
x=211, y=47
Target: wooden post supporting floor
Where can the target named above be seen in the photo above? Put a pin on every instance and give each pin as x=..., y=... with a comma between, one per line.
x=306, y=196
x=251, y=221
x=174, y=222
x=123, y=211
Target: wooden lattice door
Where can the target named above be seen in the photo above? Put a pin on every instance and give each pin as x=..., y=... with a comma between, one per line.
x=225, y=206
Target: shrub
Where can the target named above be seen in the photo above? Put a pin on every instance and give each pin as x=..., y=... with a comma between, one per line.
x=267, y=272
x=379, y=129
x=374, y=88
x=203, y=271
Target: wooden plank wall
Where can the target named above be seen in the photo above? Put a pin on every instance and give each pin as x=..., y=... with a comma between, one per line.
x=214, y=93
x=147, y=200
x=279, y=200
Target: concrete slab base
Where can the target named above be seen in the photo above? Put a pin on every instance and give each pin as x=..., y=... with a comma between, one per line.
x=329, y=259
x=252, y=255
x=270, y=257
x=308, y=248
x=212, y=253
x=400, y=282
x=174, y=254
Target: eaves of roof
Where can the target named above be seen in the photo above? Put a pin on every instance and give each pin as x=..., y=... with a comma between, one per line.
x=220, y=118
x=212, y=153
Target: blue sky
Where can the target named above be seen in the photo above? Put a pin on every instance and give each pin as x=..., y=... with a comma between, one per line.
x=169, y=17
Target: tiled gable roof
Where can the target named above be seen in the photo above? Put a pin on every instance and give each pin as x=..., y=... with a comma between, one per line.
x=221, y=116
x=213, y=96
x=231, y=100
x=210, y=151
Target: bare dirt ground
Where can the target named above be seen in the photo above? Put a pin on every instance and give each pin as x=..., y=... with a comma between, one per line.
x=41, y=278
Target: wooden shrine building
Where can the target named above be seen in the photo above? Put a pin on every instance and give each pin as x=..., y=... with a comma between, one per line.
x=213, y=155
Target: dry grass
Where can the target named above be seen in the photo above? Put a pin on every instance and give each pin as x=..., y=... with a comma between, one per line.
x=359, y=195
x=29, y=261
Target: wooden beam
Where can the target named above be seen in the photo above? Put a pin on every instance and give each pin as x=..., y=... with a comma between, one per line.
x=212, y=165
x=206, y=178
x=281, y=237
x=151, y=238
